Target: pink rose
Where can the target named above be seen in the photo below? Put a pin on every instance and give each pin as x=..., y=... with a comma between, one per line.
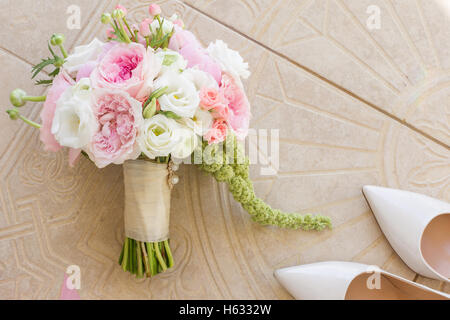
x=61, y=82
x=191, y=49
x=238, y=103
x=129, y=67
x=119, y=117
x=217, y=133
x=221, y=111
x=214, y=101
x=209, y=97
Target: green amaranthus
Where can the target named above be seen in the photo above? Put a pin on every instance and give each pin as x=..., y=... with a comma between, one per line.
x=228, y=163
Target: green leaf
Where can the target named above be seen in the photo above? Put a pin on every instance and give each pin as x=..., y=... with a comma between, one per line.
x=155, y=44
x=44, y=63
x=54, y=73
x=166, y=43
x=44, y=82
x=39, y=67
x=170, y=115
x=155, y=95
x=119, y=36
x=169, y=59
x=159, y=93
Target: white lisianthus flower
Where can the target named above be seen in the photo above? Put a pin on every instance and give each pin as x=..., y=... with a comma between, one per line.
x=159, y=136
x=171, y=61
x=74, y=122
x=201, y=123
x=201, y=79
x=188, y=143
x=82, y=55
x=229, y=60
x=181, y=97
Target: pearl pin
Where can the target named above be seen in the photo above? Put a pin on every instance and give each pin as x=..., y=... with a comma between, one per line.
x=175, y=180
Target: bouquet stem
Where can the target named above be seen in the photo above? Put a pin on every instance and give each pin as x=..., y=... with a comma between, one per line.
x=145, y=259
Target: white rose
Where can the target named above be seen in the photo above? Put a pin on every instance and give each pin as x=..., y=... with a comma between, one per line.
x=74, y=122
x=82, y=55
x=181, y=96
x=228, y=59
x=187, y=145
x=159, y=136
x=201, y=79
x=170, y=61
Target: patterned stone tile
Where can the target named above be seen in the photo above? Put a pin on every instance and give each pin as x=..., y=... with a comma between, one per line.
x=326, y=171
x=20, y=71
x=52, y=216
x=402, y=67
x=31, y=23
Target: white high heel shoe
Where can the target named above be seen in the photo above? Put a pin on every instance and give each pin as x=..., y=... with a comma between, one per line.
x=417, y=227
x=350, y=281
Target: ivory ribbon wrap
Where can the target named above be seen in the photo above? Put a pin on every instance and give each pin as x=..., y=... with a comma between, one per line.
x=147, y=201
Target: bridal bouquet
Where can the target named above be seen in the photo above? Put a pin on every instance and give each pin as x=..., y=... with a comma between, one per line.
x=151, y=97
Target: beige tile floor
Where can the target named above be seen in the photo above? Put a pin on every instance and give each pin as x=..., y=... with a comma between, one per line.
x=353, y=106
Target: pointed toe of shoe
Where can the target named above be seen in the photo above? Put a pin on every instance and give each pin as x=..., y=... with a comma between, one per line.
x=319, y=281
x=335, y=280
x=297, y=281
x=368, y=189
x=403, y=216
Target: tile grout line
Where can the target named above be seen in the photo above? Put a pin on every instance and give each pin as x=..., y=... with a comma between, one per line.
x=320, y=77
x=15, y=55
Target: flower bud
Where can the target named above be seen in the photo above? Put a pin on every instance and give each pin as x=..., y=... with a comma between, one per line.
x=118, y=14
x=154, y=10
x=121, y=7
x=106, y=18
x=17, y=98
x=57, y=39
x=150, y=110
x=59, y=62
x=179, y=23
x=144, y=27
x=13, y=114
x=110, y=33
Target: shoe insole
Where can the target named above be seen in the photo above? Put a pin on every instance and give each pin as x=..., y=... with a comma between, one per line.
x=435, y=244
x=387, y=288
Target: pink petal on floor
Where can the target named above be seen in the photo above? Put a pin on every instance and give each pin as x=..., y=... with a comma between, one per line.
x=66, y=293
x=74, y=155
